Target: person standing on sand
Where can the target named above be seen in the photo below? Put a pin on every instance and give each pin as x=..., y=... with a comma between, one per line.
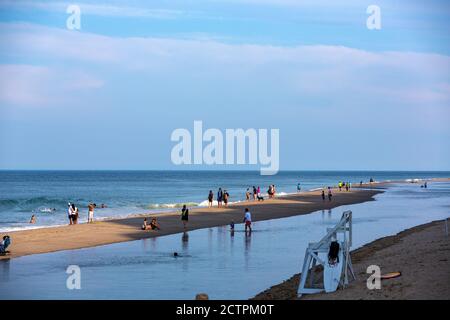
x=74, y=214
x=247, y=194
x=210, y=198
x=329, y=194
x=219, y=197
x=323, y=195
x=248, y=220
x=254, y=193
x=299, y=187
x=70, y=213
x=91, y=207
x=184, y=216
x=226, y=195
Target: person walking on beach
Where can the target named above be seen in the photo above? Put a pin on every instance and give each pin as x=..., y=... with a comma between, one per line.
x=91, y=207
x=184, y=216
x=299, y=187
x=329, y=194
x=323, y=195
x=340, y=186
x=210, y=198
x=254, y=193
x=226, y=195
x=219, y=197
x=248, y=220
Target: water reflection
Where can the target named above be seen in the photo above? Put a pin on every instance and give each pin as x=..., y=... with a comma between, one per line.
x=4, y=267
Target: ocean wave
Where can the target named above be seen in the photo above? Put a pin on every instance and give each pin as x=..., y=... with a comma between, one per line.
x=36, y=204
x=169, y=205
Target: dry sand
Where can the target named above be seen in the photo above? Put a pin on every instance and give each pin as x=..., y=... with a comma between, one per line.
x=421, y=254
x=105, y=232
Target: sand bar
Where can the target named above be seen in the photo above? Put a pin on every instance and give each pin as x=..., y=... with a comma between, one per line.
x=84, y=235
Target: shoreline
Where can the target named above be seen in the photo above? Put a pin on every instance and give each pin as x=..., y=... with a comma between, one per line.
x=108, y=231
x=176, y=207
x=424, y=270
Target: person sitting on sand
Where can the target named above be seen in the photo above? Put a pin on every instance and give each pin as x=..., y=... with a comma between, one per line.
x=4, y=245
x=33, y=219
x=145, y=226
x=154, y=225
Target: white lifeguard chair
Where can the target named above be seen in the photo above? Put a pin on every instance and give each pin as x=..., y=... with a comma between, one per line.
x=317, y=254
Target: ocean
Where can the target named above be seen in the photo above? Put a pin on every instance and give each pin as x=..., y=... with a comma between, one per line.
x=46, y=193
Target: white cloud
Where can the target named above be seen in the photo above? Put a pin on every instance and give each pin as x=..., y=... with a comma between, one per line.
x=301, y=71
x=28, y=85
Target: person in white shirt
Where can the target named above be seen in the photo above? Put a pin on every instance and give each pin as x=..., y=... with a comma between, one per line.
x=248, y=220
x=70, y=213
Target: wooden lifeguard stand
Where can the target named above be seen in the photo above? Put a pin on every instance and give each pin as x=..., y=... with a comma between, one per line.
x=342, y=233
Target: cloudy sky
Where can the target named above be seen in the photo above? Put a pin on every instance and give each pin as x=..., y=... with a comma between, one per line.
x=109, y=95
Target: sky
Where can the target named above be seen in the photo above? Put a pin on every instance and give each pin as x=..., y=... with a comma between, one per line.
x=108, y=96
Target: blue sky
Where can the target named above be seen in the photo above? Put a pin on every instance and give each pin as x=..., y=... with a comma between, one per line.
x=109, y=95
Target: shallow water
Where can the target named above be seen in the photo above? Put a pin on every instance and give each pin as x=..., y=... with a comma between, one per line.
x=213, y=260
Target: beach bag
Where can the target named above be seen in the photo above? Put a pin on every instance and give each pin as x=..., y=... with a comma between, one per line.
x=333, y=253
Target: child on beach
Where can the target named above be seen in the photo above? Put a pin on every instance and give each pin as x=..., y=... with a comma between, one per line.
x=184, y=216
x=248, y=220
x=91, y=207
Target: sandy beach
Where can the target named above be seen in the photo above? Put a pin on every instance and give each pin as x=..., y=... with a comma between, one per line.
x=84, y=235
x=421, y=254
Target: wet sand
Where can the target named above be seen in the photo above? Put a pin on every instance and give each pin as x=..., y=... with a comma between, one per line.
x=421, y=254
x=84, y=235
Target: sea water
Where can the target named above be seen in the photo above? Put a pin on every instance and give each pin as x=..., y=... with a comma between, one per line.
x=47, y=193
x=213, y=260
